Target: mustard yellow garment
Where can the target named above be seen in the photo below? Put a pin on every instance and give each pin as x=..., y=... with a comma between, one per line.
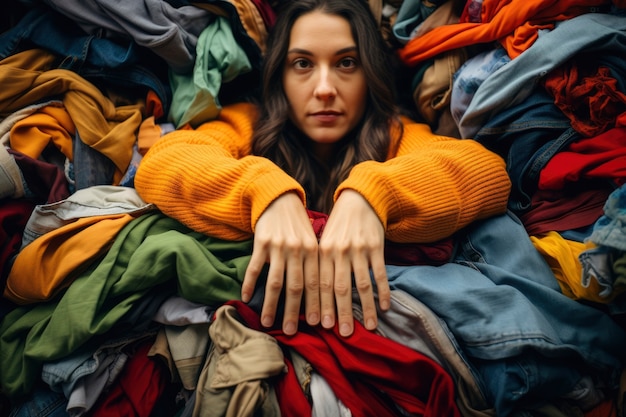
x=429, y=187
x=28, y=77
x=48, y=125
x=562, y=256
x=51, y=262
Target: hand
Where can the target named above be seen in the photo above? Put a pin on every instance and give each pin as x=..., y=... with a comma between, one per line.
x=352, y=242
x=284, y=239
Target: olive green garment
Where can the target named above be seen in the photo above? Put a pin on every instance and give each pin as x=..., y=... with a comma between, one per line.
x=153, y=250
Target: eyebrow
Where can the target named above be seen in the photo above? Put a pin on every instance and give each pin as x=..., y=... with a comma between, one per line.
x=306, y=52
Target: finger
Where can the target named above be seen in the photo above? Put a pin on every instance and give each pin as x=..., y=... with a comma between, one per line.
x=343, y=296
x=363, y=283
x=253, y=270
x=382, y=282
x=327, y=291
x=294, y=281
x=312, y=289
x=273, y=288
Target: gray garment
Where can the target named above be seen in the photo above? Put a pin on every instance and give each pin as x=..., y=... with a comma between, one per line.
x=84, y=375
x=325, y=402
x=170, y=32
x=101, y=200
x=515, y=81
x=178, y=311
x=411, y=323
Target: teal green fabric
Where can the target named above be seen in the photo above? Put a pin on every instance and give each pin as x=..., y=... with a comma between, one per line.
x=220, y=59
x=152, y=250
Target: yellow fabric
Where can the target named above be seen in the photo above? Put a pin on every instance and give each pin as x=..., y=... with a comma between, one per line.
x=52, y=261
x=50, y=124
x=562, y=256
x=207, y=179
x=27, y=78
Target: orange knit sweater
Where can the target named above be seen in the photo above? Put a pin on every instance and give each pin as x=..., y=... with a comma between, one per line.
x=431, y=187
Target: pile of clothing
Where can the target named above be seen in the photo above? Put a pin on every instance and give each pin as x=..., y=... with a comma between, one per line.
x=109, y=307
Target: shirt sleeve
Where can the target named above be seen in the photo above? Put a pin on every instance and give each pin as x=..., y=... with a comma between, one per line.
x=207, y=179
x=433, y=186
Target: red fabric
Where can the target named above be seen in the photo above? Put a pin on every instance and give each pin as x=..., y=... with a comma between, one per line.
x=436, y=253
x=139, y=386
x=267, y=13
x=587, y=95
x=46, y=181
x=13, y=217
x=599, y=157
x=557, y=211
x=515, y=23
x=365, y=371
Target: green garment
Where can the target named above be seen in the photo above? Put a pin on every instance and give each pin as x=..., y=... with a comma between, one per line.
x=219, y=59
x=153, y=250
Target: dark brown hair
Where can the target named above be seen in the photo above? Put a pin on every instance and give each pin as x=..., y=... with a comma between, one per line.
x=275, y=136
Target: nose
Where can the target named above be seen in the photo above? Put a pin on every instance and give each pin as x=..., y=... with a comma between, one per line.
x=325, y=87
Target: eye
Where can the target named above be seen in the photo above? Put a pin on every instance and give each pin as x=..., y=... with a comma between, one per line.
x=301, y=63
x=347, y=63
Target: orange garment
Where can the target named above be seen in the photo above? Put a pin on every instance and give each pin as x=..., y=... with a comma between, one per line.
x=51, y=262
x=429, y=188
x=514, y=23
x=48, y=125
x=27, y=78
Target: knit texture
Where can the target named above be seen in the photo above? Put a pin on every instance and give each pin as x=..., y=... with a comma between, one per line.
x=430, y=187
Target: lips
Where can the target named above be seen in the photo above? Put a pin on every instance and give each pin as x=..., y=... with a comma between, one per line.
x=326, y=116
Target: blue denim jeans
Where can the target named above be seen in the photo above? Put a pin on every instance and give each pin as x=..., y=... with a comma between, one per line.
x=501, y=300
x=527, y=136
x=43, y=402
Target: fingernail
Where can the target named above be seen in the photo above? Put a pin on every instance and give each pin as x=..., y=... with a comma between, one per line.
x=245, y=297
x=266, y=321
x=327, y=322
x=345, y=329
x=313, y=318
x=290, y=328
x=370, y=324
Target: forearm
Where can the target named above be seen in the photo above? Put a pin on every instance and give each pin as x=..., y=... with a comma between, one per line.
x=430, y=194
x=204, y=187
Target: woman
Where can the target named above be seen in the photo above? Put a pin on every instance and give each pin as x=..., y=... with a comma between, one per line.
x=327, y=137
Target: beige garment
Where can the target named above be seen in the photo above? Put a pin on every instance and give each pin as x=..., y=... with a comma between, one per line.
x=188, y=345
x=233, y=382
x=432, y=95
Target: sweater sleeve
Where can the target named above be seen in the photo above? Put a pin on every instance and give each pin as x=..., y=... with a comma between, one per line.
x=433, y=187
x=207, y=179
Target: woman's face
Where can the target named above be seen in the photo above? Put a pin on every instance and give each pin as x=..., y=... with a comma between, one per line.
x=323, y=79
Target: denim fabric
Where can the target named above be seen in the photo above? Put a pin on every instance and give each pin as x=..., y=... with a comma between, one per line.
x=501, y=299
x=90, y=167
x=609, y=230
x=508, y=381
x=527, y=136
x=512, y=83
x=471, y=75
x=121, y=64
x=410, y=16
x=42, y=403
